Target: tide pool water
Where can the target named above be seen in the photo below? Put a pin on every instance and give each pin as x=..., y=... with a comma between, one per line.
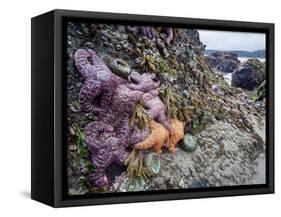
x=243, y=59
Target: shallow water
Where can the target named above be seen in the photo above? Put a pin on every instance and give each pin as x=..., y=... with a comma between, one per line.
x=228, y=78
x=243, y=59
x=251, y=93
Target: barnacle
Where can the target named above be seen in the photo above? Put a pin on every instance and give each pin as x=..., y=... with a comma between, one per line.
x=163, y=67
x=203, y=63
x=201, y=120
x=140, y=115
x=135, y=165
x=161, y=47
x=197, y=102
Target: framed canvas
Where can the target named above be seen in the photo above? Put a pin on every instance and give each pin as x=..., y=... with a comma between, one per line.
x=133, y=108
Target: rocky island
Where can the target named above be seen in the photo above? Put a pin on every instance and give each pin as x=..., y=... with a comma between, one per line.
x=223, y=61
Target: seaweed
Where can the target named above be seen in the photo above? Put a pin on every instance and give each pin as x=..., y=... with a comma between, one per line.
x=135, y=165
x=260, y=94
x=141, y=115
x=83, y=152
x=256, y=65
x=185, y=113
x=163, y=67
x=171, y=99
x=216, y=79
x=147, y=63
x=81, y=158
x=174, y=103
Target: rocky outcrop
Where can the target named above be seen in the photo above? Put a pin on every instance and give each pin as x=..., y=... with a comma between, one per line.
x=153, y=77
x=223, y=61
x=250, y=74
x=246, y=78
x=257, y=65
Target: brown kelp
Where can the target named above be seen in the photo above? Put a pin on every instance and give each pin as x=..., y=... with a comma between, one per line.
x=135, y=165
x=140, y=115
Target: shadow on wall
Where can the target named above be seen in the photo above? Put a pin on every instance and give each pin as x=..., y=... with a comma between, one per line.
x=25, y=194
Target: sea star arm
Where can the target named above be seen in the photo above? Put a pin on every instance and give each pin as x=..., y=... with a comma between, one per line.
x=148, y=31
x=90, y=90
x=156, y=139
x=82, y=63
x=133, y=29
x=170, y=35
x=135, y=77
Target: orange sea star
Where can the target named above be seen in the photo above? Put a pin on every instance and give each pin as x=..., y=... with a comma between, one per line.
x=159, y=136
x=177, y=134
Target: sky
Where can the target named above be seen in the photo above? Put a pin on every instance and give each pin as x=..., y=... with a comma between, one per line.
x=226, y=40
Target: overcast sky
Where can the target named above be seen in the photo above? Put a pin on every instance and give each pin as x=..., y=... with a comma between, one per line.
x=222, y=40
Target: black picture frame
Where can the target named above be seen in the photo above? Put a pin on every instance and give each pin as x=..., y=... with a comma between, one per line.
x=48, y=108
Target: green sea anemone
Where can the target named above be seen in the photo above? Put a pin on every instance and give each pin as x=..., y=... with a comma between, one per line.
x=189, y=143
x=135, y=184
x=152, y=163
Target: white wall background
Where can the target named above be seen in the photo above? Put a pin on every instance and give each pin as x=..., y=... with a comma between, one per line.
x=15, y=106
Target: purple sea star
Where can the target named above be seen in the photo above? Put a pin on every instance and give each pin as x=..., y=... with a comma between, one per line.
x=156, y=108
x=143, y=82
x=147, y=31
x=170, y=35
x=99, y=81
x=109, y=137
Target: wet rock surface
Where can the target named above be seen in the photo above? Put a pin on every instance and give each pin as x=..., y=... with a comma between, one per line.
x=228, y=126
x=250, y=74
x=246, y=78
x=223, y=61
